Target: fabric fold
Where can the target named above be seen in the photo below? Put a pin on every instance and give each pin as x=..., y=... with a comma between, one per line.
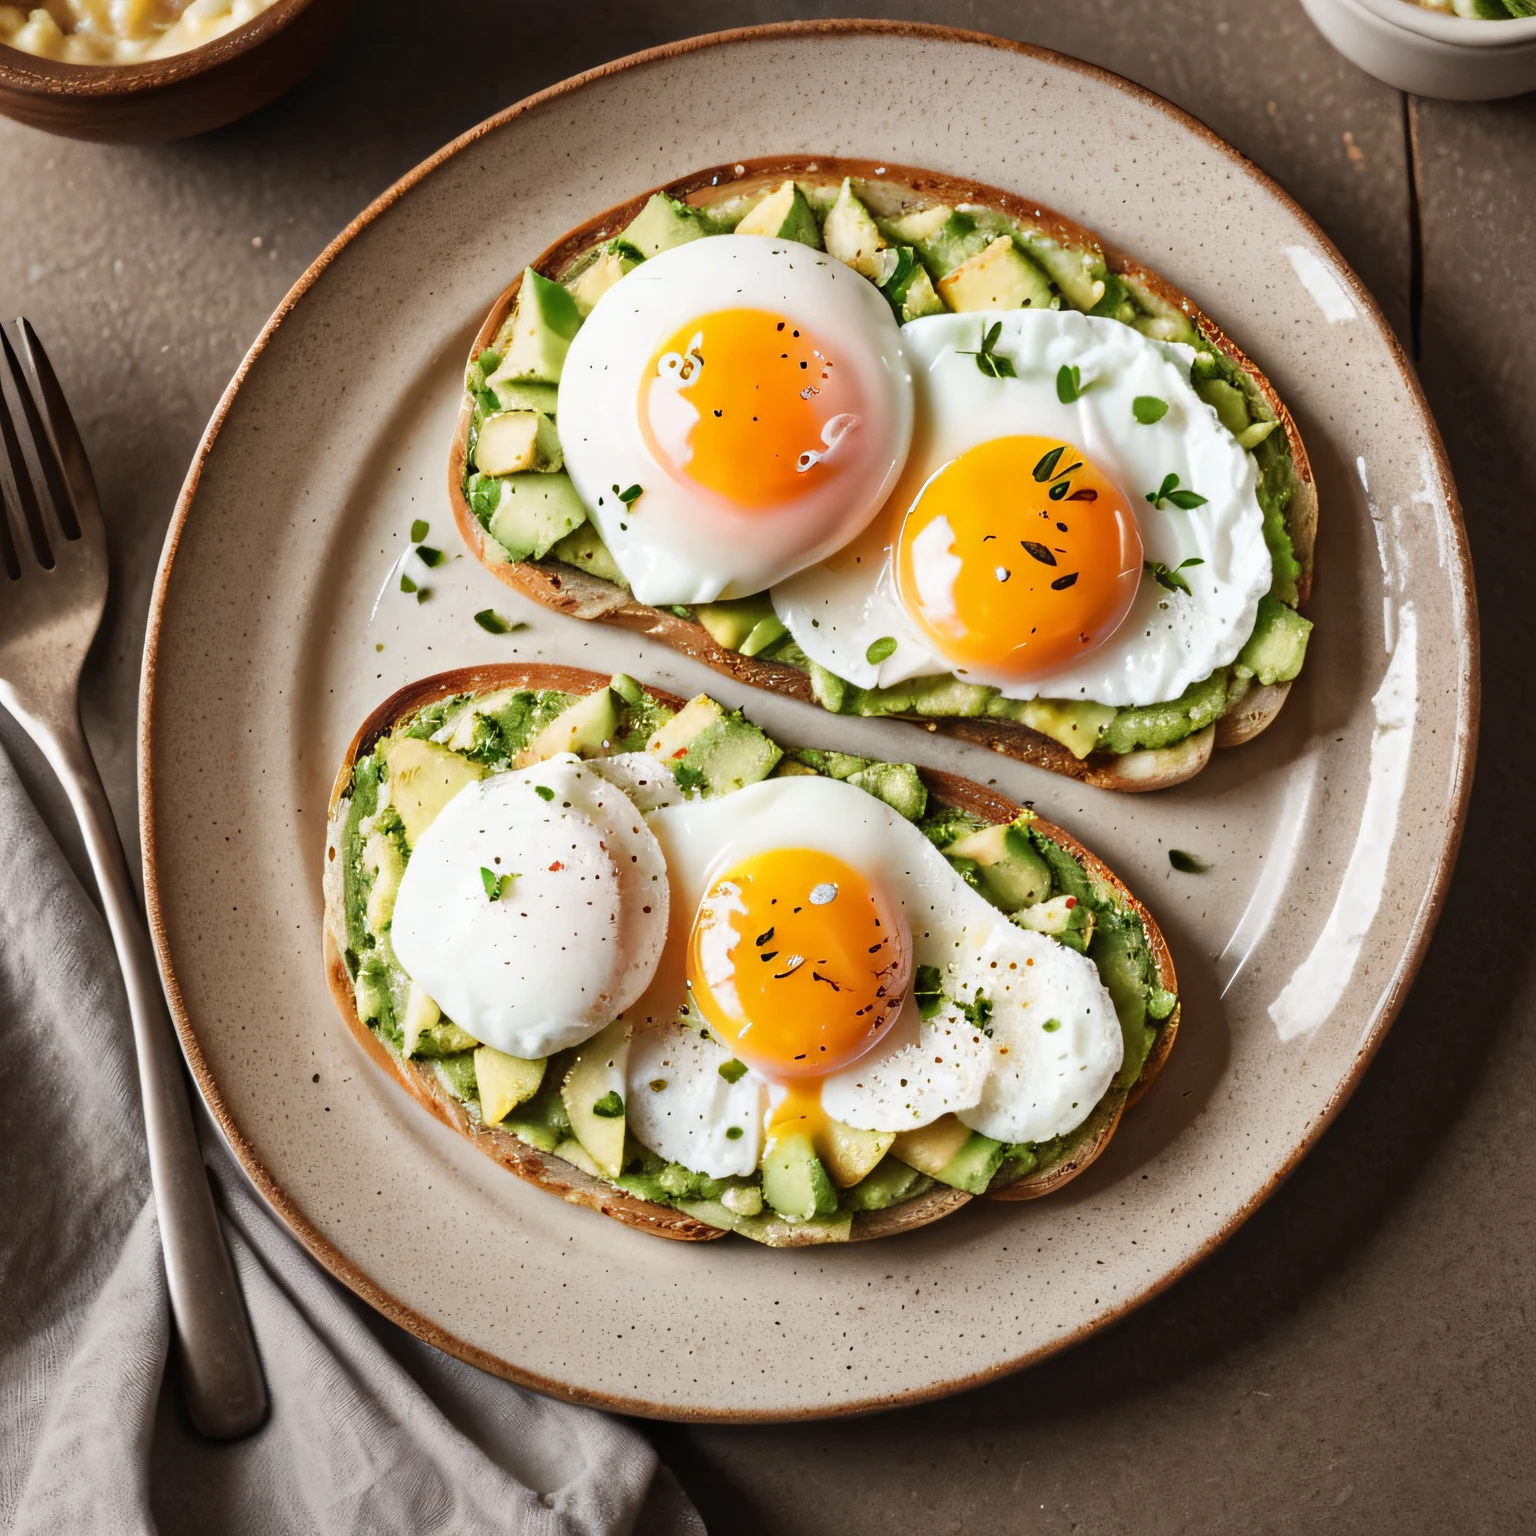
x=371, y=1430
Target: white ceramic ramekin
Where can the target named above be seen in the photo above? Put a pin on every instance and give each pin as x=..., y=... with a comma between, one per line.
x=1431, y=53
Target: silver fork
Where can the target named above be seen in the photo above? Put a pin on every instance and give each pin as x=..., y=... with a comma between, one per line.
x=53, y=587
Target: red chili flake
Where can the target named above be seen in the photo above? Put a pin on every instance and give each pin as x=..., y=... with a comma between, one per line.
x=1071, y=902
x=556, y=867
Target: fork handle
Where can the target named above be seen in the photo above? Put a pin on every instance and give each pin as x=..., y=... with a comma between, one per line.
x=221, y=1374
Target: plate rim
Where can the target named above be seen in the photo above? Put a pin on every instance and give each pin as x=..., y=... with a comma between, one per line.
x=1423, y=923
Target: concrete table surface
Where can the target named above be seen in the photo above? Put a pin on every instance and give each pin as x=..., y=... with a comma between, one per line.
x=1359, y=1357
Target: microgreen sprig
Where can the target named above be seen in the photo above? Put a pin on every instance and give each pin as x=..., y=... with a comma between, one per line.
x=1170, y=578
x=989, y=361
x=1185, y=500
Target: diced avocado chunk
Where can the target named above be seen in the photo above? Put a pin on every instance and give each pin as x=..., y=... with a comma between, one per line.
x=583, y=548
x=535, y=512
x=505, y=1082
x=898, y=784
x=771, y=1231
x=1164, y=725
x=931, y=1148
x=385, y=864
x=511, y=442
x=938, y=697
x=891, y=1182
x=954, y=241
x=727, y=755
x=999, y=277
x=586, y=728
x=527, y=395
x=663, y=223
x=1078, y=273
x=784, y=214
x=1125, y=967
x=1228, y=403
x=919, y=225
x=1278, y=645
x=423, y=778
x=730, y=622
x=849, y=1154
x=594, y=1096
x=421, y=1013
x=1011, y=872
x=675, y=736
x=444, y=1038
x=1075, y=723
x=542, y=1121
x=765, y=634
x=851, y=234
x=828, y=689
x=544, y=318
x=794, y=1182
x=972, y=1167
x=1063, y=917
x=921, y=297
x=612, y=261
x=457, y=1074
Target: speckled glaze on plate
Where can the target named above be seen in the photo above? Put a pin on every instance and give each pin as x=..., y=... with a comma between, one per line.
x=278, y=625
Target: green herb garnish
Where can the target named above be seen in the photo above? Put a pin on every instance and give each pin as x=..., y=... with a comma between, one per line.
x=928, y=990
x=733, y=1071
x=1186, y=863
x=1185, y=501
x=1047, y=465
x=733, y=1133
x=544, y=792
x=496, y=886
x=1069, y=383
x=406, y=584
x=1171, y=578
x=423, y=593
x=1051, y=1026
x=493, y=623
x=880, y=649
x=610, y=1106
x=1148, y=408
x=629, y=497
x=978, y=1012
x=987, y=360
x=658, y=1084
x=430, y=556
x=689, y=780
x=419, y=530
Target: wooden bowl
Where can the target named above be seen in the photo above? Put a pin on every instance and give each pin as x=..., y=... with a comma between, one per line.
x=178, y=96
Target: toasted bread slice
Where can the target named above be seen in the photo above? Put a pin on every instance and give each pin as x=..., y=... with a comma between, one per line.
x=577, y=592
x=559, y=1177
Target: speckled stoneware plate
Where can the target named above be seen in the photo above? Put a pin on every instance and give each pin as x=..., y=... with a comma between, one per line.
x=276, y=628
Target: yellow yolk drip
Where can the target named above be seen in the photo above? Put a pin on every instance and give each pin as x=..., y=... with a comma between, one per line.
x=1018, y=556
x=769, y=408
x=797, y=962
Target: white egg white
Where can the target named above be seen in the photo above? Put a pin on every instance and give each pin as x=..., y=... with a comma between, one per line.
x=676, y=544
x=922, y=1068
x=679, y=1105
x=576, y=936
x=1168, y=640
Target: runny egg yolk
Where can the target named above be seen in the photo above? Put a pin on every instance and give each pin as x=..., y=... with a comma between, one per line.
x=750, y=406
x=1018, y=556
x=797, y=962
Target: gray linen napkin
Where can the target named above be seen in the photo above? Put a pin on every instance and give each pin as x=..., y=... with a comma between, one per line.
x=370, y=1430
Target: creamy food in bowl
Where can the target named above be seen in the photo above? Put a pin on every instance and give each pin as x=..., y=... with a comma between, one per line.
x=121, y=31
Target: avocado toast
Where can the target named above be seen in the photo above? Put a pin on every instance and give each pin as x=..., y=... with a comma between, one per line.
x=932, y=246
x=425, y=744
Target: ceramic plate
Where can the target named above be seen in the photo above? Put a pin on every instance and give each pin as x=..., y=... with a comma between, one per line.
x=277, y=626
